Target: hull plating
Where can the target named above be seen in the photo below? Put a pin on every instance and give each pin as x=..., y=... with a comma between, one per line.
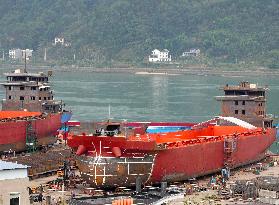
x=111, y=171
x=13, y=134
x=169, y=161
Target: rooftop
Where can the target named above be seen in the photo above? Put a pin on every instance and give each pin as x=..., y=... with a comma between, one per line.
x=10, y=165
x=20, y=72
x=240, y=97
x=245, y=86
x=25, y=74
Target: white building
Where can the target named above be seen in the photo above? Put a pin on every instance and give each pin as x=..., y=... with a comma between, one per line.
x=27, y=53
x=193, y=52
x=59, y=40
x=15, y=53
x=159, y=56
x=13, y=184
x=18, y=54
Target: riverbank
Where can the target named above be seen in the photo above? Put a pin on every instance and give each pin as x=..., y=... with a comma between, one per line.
x=201, y=191
x=248, y=174
x=171, y=70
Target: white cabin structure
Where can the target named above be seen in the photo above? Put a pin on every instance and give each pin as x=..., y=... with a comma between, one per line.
x=159, y=56
x=193, y=52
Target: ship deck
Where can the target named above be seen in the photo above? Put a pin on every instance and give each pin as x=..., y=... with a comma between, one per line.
x=211, y=132
x=18, y=114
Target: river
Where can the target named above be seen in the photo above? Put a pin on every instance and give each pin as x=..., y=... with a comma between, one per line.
x=97, y=96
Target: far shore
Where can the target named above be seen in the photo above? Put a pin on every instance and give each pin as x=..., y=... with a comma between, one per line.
x=194, y=70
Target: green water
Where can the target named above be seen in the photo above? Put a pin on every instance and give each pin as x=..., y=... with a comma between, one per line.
x=148, y=97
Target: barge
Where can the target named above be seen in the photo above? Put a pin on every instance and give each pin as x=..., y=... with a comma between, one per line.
x=30, y=115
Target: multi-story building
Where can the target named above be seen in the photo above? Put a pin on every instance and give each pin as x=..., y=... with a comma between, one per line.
x=20, y=54
x=159, y=56
x=27, y=53
x=13, y=183
x=15, y=53
x=30, y=91
x=246, y=101
x=59, y=40
x=193, y=52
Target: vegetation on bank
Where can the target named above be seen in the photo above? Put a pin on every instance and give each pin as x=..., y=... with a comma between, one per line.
x=123, y=33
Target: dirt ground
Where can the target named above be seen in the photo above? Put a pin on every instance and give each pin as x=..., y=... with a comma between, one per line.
x=209, y=197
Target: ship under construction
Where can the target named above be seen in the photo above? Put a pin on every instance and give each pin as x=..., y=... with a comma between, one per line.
x=30, y=115
x=117, y=157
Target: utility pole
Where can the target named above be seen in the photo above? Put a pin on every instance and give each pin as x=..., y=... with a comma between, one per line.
x=25, y=70
x=45, y=55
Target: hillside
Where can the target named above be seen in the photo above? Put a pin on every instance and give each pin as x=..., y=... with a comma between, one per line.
x=123, y=31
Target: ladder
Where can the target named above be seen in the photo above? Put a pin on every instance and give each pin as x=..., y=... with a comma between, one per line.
x=230, y=145
x=31, y=137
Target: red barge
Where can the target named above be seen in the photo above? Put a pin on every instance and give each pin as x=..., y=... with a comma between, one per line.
x=30, y=116
x=118, y=156
x=118, y=160
x=17, y=128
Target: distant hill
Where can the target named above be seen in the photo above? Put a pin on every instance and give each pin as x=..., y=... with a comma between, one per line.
x=103, y=32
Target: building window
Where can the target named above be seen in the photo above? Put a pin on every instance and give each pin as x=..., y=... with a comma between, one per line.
x=10, y=97
x=48, y=98
x=14, y=198
x=45, y=98
x=40, y=98
x=10, y=87
x=236, y=102
x=236, y=112
x=21, y=88
x=243, y=102
x=243, y=112
x=21, y=98
x=33, y=97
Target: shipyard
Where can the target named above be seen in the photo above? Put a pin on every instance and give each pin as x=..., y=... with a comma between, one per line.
x=129, y=162
x=139, y=102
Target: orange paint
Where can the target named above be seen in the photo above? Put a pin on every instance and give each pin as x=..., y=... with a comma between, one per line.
x=18, y=114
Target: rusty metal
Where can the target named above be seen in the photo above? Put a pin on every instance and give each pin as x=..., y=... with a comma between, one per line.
x=102, y=171
x=44, y=163
x=246, y=101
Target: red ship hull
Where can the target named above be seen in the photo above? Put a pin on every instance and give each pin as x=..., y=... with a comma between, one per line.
x=14, y=129
x=118, y=161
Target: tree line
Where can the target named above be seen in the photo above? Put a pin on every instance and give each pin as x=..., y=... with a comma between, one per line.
x=124, y=31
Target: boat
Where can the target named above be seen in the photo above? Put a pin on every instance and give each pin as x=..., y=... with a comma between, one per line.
x=30, y=115
x=118, y=154
x=21, y=130
x=111, y=159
